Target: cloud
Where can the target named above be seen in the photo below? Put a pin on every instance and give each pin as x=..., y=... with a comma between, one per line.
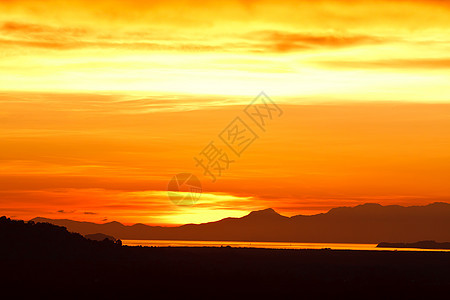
x=21, y=27
x=418, y=63
x=62, y=211
x=67, y=38
x=279, y=41
x=89, y=213
x=61, y=44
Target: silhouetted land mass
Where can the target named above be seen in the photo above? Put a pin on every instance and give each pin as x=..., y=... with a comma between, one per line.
x=100, y=237
x=418, y=245
x=44, y=260
x=43, y=239
x=368, y=223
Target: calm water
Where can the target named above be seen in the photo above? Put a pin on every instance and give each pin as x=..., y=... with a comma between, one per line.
x=272, y=245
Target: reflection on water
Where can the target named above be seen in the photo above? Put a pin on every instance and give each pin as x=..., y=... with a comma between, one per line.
x=272, y=245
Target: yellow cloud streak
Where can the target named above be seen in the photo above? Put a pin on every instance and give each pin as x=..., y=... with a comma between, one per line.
x=228, y=48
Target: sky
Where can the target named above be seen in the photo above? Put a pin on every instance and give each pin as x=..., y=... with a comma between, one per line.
x=102, y=102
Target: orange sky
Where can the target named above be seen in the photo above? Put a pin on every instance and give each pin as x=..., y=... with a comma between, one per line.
x=103, y=101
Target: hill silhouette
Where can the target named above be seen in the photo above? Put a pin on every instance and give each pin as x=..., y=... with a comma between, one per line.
x=30, y=239
x=367, y=223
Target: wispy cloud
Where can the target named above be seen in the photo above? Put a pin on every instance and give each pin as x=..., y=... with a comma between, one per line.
x=278, y=41
x=417, y=63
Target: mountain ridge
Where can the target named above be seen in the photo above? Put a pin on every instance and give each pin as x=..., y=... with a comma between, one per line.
x=365, y=223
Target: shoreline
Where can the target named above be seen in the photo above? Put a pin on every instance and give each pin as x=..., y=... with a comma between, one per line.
x=272, y=245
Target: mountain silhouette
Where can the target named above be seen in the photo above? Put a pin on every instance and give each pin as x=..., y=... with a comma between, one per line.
x=366, y=223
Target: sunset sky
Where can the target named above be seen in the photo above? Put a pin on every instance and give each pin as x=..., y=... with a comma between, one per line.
x=102, y=102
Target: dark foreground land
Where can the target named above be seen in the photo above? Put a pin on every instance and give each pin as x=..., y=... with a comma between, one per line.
x=46, y=259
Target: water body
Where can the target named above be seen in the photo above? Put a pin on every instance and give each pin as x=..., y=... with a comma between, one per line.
x=269, y=245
